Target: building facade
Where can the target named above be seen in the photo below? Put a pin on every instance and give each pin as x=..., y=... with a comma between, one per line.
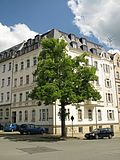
x=18, y=80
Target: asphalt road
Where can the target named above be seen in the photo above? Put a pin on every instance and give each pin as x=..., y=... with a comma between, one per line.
x=36, y=147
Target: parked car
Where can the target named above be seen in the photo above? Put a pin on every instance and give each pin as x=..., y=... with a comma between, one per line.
x=31, y=129
x=10, y=127
x=100, y=133
x=1, y=126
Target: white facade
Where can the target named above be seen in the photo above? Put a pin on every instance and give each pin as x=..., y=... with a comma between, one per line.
x=87, y=115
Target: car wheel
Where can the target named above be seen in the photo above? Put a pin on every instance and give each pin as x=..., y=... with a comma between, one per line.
x=96, y=137
x=110, y=136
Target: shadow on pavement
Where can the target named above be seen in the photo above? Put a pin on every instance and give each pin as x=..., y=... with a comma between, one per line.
x=31, y=138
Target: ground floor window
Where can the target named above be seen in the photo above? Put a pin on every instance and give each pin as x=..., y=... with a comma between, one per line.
x=90, y=128
x=80, y=129
x=20, y=115
x=26, y=115
x=1, y=113
x=110, y=114
x=33, y=115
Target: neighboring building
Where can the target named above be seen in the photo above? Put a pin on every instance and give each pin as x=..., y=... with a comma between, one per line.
x=116, y=60
x=87, y=116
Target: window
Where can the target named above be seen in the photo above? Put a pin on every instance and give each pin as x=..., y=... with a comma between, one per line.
x=15, y=82
x=21, y=81
x=27, y=94
x=80, y=129
x=9, y=66
x=110, y=114
x=8, y=96
x=26, y=115
x=106, y=68
x=34, y=78
x=1, y=113
x=20, y=98
x=108, y=83
x=99, y=115
x=27, y=79
x=28, y=63
x=119, y=101
x=2, y=97
x=47, y=115
x=3, y=82
x=8, y=81
x=109, y=97
x=20, y=116
x=96, y=64
x=43, y=114
x=117, y=75
x=4, y=66
x=90, y=115
x=22, y=65
x=33, y=115
x=16, y=67
x=90, y=128
x=79, y=114
x=40, y=117
x=14, y=98
x=34, y=61
x=118, y=89
x=6, y=113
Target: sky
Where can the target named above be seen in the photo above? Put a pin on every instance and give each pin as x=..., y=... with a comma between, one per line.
x=98, y=20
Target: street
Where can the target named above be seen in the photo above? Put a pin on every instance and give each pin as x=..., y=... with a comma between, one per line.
x=32, y=147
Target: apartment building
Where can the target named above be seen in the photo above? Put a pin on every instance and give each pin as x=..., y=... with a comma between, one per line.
x=22, y=109
x=116, y=60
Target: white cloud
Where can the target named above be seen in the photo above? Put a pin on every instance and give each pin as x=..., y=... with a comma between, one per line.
x=98, y=17
x=12, y=35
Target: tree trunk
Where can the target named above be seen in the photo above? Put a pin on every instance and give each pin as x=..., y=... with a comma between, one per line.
x=63, y=115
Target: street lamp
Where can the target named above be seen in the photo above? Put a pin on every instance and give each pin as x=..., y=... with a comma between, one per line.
x=72, y=118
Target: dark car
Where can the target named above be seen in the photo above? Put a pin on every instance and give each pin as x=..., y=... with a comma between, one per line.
x=100, y=133
x=31, y=129
x=10, y=127
x=1, y=126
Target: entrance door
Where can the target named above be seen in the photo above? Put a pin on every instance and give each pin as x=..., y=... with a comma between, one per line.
x=14, y=117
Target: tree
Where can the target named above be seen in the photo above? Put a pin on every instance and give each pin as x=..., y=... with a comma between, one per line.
x=58, y=76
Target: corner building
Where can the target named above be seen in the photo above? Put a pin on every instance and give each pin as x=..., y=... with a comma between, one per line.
x=87, y=116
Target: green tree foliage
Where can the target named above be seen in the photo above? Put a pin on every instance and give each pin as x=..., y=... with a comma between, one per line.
x=58, y=76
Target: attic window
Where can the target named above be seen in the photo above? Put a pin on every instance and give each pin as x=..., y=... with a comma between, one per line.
x=83, y=41
x=93, y=50
x=72, y=37
x=74, y=44
x=84, y=48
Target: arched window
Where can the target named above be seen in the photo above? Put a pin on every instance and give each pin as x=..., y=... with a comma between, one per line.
x=33, y=115
x=79, y=114
x=26, y=115
x=90, y=115
x=20, y=115
x=99, y=115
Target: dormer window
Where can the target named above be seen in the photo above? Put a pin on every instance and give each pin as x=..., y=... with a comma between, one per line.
x=83, y=41
x=37, y=38
x=72, y=37
x=74, y=44
x=93, y=50
x=84, y=48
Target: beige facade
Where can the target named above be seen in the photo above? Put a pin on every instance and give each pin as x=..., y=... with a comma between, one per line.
x=87, y=116
x=116, y=61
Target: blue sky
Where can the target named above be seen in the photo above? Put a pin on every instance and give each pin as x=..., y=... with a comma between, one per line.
x=22, y=19
x=39, y=15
